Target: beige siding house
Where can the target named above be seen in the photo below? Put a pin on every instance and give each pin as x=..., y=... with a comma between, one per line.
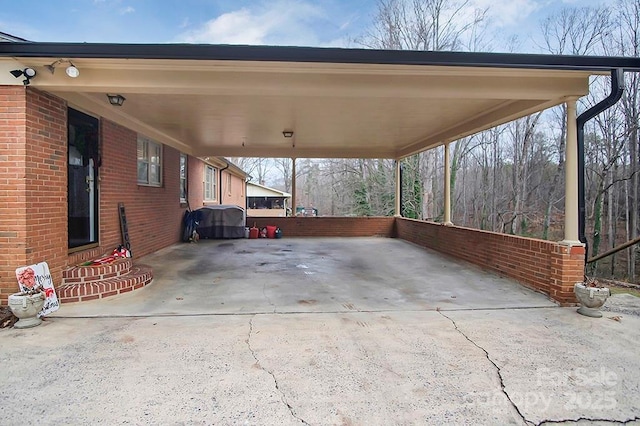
x=265, y=201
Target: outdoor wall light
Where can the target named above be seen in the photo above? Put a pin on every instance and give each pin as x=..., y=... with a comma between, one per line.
x=287, y=133
x=72, y=71
x=116, y=100
x=27, y=73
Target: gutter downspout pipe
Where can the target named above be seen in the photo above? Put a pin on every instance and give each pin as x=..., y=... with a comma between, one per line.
x=222, y=170
x=617, y=88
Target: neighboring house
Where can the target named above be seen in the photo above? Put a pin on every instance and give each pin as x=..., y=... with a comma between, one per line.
x=265, y=201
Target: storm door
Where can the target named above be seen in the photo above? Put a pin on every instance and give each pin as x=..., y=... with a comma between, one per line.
x=84, y=160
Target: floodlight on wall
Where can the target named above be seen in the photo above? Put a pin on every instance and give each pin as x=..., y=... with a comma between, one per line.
x=27, y=73
x=287, y=133
x=116, y=100
x=71, y=70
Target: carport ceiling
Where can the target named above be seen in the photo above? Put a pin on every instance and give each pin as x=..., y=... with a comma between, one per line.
x=237, y=100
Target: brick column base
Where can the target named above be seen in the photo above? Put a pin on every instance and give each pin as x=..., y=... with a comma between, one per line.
x=567, y=268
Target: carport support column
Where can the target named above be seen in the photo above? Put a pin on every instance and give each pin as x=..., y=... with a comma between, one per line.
x=571, y=237
x=293, y=187
x=447, y=187
x=567, y=256
x=398, y=199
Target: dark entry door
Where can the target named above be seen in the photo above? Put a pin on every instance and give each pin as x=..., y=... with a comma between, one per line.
x=84, y=160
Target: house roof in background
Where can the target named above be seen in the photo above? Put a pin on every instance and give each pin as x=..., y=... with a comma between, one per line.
x=257, y=190
x=4, y=37
x=223, y=163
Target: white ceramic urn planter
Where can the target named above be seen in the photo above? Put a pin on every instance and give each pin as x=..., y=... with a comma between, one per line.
x=591, y=299
x=26, y=307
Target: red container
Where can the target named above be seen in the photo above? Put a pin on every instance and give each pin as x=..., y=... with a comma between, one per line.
x=271, y=231
x=253, y=233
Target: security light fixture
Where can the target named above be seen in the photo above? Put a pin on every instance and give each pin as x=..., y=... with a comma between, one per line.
x=116, y=100
x=72, y=71
x=287, y=133
x=27, y=73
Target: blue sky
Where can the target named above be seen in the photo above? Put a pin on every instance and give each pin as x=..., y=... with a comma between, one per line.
x=275, y=22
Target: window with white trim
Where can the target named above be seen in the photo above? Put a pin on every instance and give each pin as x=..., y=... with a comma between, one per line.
x=210, y=183
x=149, y=162
x=229, y=183
x=183, y=178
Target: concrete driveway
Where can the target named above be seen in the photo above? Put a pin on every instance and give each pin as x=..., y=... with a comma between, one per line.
x=266, y=358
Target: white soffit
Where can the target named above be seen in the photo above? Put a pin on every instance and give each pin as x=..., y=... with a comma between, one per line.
x=240, y=108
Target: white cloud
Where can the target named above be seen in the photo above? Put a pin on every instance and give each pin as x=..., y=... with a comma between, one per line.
x=504, y=13
x=284, y=22
x=128, y=9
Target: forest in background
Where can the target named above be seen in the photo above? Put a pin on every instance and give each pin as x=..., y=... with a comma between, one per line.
x=510, y=178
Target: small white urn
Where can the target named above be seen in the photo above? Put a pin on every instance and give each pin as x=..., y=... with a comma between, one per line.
x=26, y=308
x=591, y=299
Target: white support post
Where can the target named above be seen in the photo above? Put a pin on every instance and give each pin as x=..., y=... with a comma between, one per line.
x=293, y=187
x=447, y=187
x=571, y=178
x=398, y=209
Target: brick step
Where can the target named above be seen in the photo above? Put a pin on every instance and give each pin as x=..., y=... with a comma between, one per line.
x=137, y=277
x=97, y=273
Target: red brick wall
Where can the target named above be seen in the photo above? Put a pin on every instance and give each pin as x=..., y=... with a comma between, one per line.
x=33, y=181
x=13, y=219
x=542, y=265
x=46, y=181
x=153, y=214
x=33, y=189
x=328, y=226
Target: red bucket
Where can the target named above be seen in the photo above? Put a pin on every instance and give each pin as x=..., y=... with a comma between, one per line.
x=271, y=231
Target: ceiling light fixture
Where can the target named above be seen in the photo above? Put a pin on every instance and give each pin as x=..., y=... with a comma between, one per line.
x=27, y=73
x=287, y=133
x=72, y=71
x=116, y=100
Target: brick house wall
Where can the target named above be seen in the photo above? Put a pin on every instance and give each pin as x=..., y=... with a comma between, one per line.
x=234, y=194
x=545, y=266
x=195, y=186
x=33, y=181
x=33, y=189
x=13, y=196
x=154, y=214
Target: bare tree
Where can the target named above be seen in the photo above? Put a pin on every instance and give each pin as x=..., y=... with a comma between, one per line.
x=628, y=43
x=574, y=31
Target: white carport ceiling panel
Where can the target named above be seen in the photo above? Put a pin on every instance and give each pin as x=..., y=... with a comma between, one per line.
x=213, y=108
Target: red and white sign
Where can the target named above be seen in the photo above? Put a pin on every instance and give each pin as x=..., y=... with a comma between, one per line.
x=38, y=275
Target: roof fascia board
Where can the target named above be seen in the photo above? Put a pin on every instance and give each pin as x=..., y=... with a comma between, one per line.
x=315, y=54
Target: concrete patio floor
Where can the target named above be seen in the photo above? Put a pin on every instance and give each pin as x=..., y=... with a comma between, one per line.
x=309, y=275
x=318, y=352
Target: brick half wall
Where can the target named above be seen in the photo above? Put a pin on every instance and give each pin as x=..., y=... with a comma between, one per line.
x=328, y=226
x=545, y=266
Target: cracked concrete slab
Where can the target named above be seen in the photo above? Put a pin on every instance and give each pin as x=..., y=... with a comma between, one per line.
x=135, y=371
x=321, y=331
x=324, y=368
x=561, y=367
x=365, y=368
